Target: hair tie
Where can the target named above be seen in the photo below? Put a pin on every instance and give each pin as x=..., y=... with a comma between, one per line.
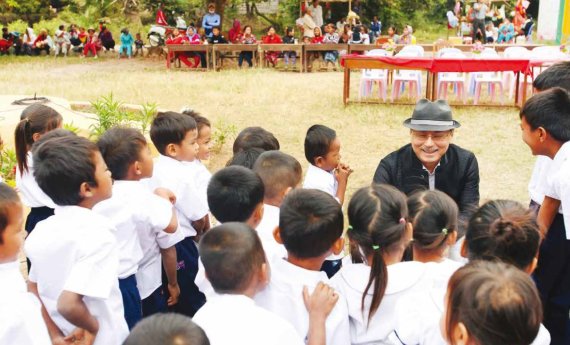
x=444, y=231
x=402, y=220
x=350, y=227
x=375, y=247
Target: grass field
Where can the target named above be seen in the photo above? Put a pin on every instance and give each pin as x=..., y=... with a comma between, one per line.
x=285, y=104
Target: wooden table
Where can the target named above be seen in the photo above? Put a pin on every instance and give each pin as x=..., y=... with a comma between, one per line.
x=220, y=48
x=308, y=48
x=280, y=47
x=198, y=48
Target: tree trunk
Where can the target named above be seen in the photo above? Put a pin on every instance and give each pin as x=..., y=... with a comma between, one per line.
x=220, y=8
x=274, y=23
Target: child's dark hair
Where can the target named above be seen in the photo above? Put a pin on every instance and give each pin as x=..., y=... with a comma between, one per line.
x=376, y=215
x=120, y=148
x=36, y=118
x=557, y=75
x=61, y=165
x=318, y=141
x=234, y=193
x=167, y=329
x=496, y=302
x=255, y=137
x=310, y=222
x=288, y=30
x=232, y=255
x=170, y=128
x=278, y=171
x=434, y=217
x=8, y=198
x=246, y=158
x=503, y=230
x=201, y=121
x=269, y=28
x=56, y=133
x=550, y=110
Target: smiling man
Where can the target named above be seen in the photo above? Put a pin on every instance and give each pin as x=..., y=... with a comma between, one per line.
x=431, y=162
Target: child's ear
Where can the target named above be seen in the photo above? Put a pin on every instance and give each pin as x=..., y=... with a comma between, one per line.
x=85, y=190
x=319, y=161
x=277, y=235
x=338, y=246
x=36, y=137
x=257, y=215
x=460, y=335
x=532, y=266
x=171, y=150
x=464, y=252
x=137, y=168
x=452, y=238
x=264, y=275
x=542, y=134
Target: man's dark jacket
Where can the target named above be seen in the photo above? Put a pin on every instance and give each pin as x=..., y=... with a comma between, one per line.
x=457, y=176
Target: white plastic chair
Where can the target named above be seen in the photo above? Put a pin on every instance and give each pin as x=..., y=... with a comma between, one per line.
x=371, y=76
x=546, y=53
x=492, y=79
x=509, y=78
x=447, y=79
x=411, y=77
x=446, y=51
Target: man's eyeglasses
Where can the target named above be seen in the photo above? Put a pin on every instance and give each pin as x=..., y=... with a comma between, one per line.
x=436, y=137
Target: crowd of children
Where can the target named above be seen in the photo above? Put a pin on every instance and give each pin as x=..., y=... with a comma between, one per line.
x=257, y=253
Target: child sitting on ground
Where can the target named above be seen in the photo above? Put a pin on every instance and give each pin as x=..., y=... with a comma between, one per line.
x=142, y=220
x=74, y=253
x=126, y=43
x=139, y=45
x=310, y=227
x=280, y=174
x=21, y=319
x=237, y=268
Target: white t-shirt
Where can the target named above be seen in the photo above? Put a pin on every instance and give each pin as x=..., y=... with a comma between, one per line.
x=558, y=183
x=139, y=216
x=537, y=184
x=178, y=177
x=265, y=229
x=21, y=319
x=317, y=178
x=31, y=193
x=202, y=177
x=235, y=319
x=284, y=297
x=76, y=250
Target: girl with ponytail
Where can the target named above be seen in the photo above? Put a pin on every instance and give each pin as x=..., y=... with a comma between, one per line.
x=36, y=120
x=377, y=279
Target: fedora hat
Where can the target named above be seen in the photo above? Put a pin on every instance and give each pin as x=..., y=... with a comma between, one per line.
x=431, y=116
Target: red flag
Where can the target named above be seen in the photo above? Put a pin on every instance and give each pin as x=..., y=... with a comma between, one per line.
x=160, y=18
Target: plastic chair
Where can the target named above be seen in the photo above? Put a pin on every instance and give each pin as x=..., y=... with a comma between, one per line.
x=371, y=76
x=509, y=78
x=449, y=50
x=447, y=79
x=492, y=79
x=411, y=77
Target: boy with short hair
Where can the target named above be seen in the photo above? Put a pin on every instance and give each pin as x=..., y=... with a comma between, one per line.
x=237, y=268
x=280, y=174
x=74, y=253
x=255, y=137
x=174, y=136
x=167, y=329
x=143, y=221
x=325, y=172
x=217, y=37
x=310, y=227
x=20, y=312
x=545, y=124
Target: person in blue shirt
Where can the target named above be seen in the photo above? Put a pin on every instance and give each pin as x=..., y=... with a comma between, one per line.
x=210, y=20
x=375, y=28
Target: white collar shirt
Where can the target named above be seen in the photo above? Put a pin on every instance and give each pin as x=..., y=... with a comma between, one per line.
x=558, y=175
x=317, y=178
x=31, y=193
x=21, y=319
x=235, y=319
x=202, y=177
x=265, y=229
x=537, y=184
x=76, y=250
x=178, y=177
x=284, y=297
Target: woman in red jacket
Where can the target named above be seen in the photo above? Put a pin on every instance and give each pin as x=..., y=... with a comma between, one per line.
x=179, y=38
x=271, y=38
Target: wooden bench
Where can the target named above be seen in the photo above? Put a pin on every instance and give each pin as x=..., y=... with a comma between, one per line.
x=311, y=48
x=217, y=49
x=197, y=48
x=280, y=47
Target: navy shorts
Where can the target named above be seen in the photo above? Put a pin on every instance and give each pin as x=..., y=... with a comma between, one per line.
x=37, y=214
x=155, y=303
x=131, y=300
x=191, y=299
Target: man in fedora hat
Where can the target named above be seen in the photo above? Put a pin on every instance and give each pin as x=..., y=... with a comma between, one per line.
x=430, y=161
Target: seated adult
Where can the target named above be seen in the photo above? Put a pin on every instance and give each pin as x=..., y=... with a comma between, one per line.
x=106, y=38
x=430, y=161
x=41, y=43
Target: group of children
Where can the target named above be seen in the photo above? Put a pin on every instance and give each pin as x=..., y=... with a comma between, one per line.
x=257, y=254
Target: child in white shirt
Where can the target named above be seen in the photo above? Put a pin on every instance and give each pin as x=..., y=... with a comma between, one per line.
x=139, y=217
x=167, y=329
x=235, y=194
x=280, y=174
x=237, y=268
x=174, y=136
x=20, y=312
x=491, y=303
x=36, y=120
x=310, y=227
x=74, y=253
x=545, y=124
x=325, y=172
